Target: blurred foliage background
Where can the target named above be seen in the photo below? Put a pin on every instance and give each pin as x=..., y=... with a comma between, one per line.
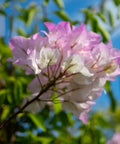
x=51, y=126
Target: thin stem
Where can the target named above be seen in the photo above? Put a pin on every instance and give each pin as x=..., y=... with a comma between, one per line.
x=67, y=76
x=61, y=58
x=62, y=82
x=53, y=101
x=19, y=111
x=55, y=91
x=52, y=71
x=47, y=87
x=48, y=68
x=39, y=81
x=68, y=92
x=68, y=68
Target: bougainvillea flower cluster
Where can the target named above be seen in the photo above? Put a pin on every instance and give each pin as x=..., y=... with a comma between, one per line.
x=72, y=61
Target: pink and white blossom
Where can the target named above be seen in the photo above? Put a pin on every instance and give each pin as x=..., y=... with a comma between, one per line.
x=70, y=58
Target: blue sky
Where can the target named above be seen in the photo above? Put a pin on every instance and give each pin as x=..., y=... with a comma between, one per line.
x=72, y=7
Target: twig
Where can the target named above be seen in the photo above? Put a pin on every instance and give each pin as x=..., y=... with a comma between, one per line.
x=51, y=83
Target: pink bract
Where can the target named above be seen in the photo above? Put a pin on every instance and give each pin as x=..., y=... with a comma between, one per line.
x=115, y=139
x=74, y=58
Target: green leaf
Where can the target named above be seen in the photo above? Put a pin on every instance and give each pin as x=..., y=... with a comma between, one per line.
x=34, y=139
x=5, y=112
x=94, y=24
x=2, y=12
x=59, y=3
x=37, y=120
x=21, y=32
x=56, y=103
x=18, y=91
x=44, y=19
x=10, y=85
x=111, y=96
x=102, y=16
x=100, y=121
x=45, y=140
x=6, y=4
x=27, y=15
x=31, y=15
x=111, y=18
x=86, y=11
x=117, y=2
x=3, y=94
x=45, y=2
x=74, y=22
x=61, y=14
x=105, y=33
x=87, y=14
x=63, y=117
x=10, y=22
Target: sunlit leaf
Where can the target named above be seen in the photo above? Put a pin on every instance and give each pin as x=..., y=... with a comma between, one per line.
x=87, y=14
x=45, y=2
x=6, y=4
x=56, y=103
x=21, y=32
x=104, y=32
x=27, y=15
x=5, y=112
x=74, y=22
x=102, y=16
x=111, y=96
x=44, y=19
x=59, y=3
x=61, y=14
x=111, y=18
x=100, y=121
x=31, y=15
x=37, y=120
